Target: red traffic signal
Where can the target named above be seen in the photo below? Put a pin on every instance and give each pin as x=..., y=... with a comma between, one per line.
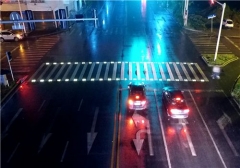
x=212, y=2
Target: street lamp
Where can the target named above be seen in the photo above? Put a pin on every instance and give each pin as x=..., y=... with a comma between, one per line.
x=220, y=28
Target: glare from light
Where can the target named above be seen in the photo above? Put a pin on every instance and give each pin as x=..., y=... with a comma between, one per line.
x=92, y=79
x=54, y=63
x=47, y=63
x=33, y=80
x=109, y=79
x=62, y=63
x=84, y=79
x=41, y=80
x=66, y=80
x=101, y=79
x=75, y=62
x=69, y=63
x=75, y=80
x=159, y=49
x=59, y=80
x=49, y=80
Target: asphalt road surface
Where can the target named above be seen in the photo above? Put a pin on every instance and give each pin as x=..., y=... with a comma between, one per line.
x=72, y=109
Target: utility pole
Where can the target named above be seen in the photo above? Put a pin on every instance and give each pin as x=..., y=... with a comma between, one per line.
x=220, y=29
x=185, y=14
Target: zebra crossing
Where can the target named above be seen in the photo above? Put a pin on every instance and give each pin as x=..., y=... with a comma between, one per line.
x=28, y=56
x=207, y=45
x=115, y=71
x=120, y=31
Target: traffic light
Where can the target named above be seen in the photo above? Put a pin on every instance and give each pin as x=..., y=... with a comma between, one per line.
x=9, y=55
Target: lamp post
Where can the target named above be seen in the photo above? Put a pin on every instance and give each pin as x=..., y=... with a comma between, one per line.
x=220, y=28
x=20, y=10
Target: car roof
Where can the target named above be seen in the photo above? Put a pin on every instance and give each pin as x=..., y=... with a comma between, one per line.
x=135, y=84
x=173, y=91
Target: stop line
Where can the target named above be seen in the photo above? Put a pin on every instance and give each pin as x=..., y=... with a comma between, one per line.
x=114, y=71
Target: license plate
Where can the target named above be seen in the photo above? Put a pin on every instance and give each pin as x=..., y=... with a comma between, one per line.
x=137, y=103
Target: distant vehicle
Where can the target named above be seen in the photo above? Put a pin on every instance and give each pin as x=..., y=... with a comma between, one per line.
x=174, y=103
x=137, y=96
x=228, y=23
x=9, y=35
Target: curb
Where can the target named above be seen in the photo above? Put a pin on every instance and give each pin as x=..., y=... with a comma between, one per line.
x=211, y=65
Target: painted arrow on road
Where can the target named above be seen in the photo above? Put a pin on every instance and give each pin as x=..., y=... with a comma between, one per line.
x=138, y=141
x=137, y=118
x=92, y=135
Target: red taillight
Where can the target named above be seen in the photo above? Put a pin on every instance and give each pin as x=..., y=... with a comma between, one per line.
x=137, y=97
x=130, y=102
x=143, y=102
x=178, y=98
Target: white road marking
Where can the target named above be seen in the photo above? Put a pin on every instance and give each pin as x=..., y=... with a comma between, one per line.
x=232, y=42
x=59, y=72
x=90, y=72
x=193, y=72
x=122, y=71
x=177, y=71
x=75, y=72
x=169, y=71
x=162, y=130
x=43, y=142
x=79, y=107
x=114, y=71
x=99, y=70
x=83, y=71
x=185, y=72
x=41, y=105
x=13, y=153
x=64, y=152
x=209, y=133
x=106, y=71
x=130, y=70
x=50, y=74
x=14, y=118
x=36, y=72
x=190, y=144
x=201, y=72
x=67, y=71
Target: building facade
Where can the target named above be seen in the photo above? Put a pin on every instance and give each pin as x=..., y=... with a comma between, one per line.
x=38, y=10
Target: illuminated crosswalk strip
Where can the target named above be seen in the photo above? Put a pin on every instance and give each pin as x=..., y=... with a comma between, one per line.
x=177, y=71
x=37, y=72
x=200, y=70
x=107, y=71
x=66, y=73
x=193, y=72
x=52, y=71
x=154, y=71
x=185, y=72
x=169, y=71
x=146, y=70
x=122, y=71
x=75, y=72
x=83, y=71
x=138, y=73
x=99, y=70
x=161, y=71
x=45, y=70
x=90, y=72
x=59, y=72
x=130, y=70
x=114, y=71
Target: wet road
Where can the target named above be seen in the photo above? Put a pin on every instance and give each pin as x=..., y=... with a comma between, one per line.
x=71, y=112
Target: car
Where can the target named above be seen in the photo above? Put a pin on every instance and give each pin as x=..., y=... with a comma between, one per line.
x=137, y=96
x=174, y=103
x=9, y=35
x=227, y=23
